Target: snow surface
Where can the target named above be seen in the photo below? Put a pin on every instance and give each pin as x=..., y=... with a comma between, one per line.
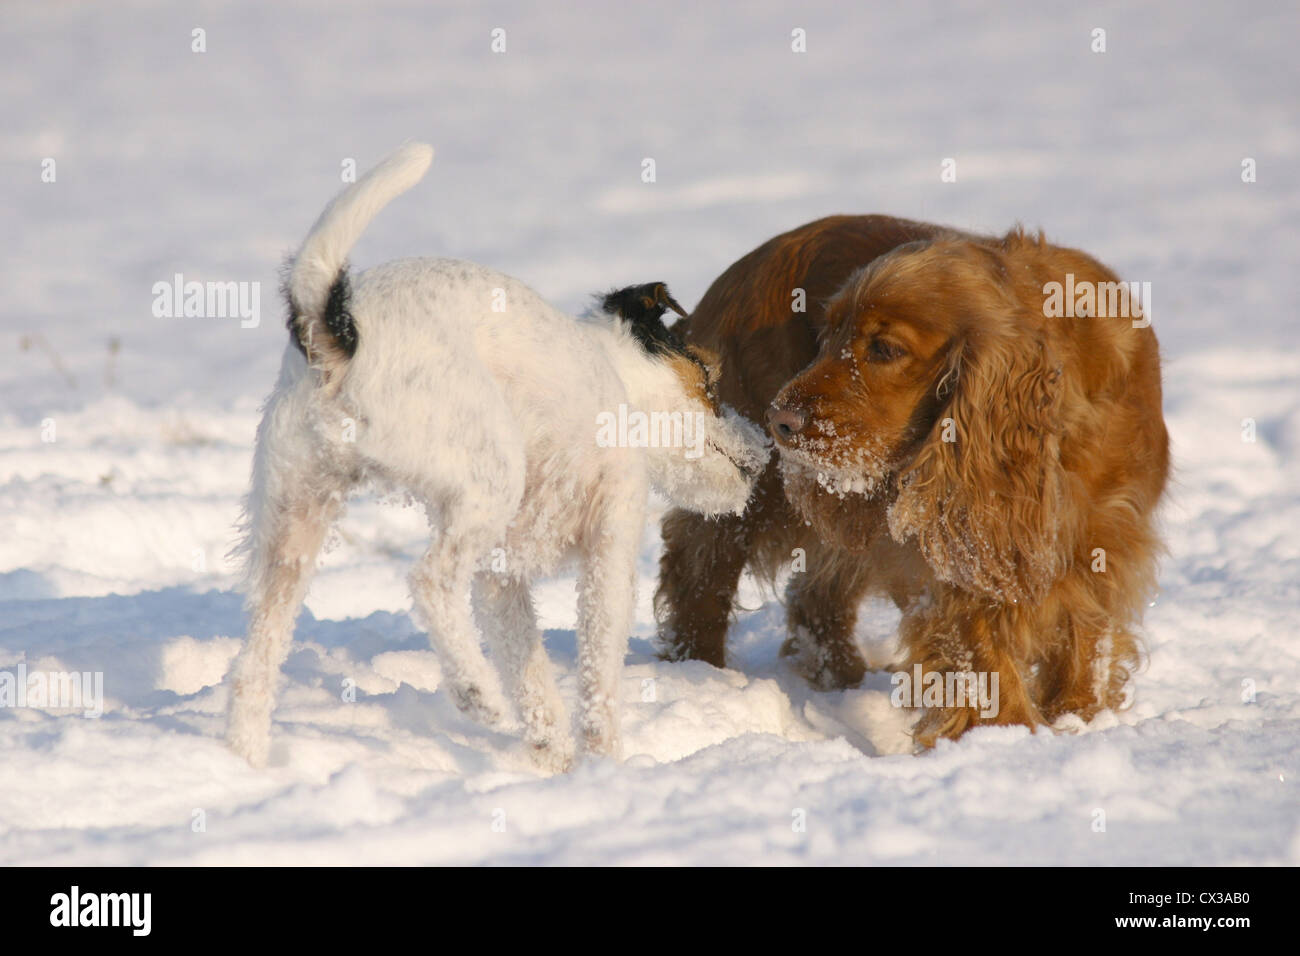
x=214, y=165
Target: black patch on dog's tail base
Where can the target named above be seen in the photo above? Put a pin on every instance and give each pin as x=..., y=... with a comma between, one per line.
x=336, y=335
x=338, y=315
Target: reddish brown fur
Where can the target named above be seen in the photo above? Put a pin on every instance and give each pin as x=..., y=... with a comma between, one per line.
x=987, y=542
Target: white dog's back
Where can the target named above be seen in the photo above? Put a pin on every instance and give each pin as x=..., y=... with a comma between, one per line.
x=468, y=373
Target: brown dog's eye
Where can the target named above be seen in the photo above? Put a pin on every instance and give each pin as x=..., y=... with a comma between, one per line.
x=881, y=351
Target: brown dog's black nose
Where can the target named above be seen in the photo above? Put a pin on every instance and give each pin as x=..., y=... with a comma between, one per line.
x=786, y=421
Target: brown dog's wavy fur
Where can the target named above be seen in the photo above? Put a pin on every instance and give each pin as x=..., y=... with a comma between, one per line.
x=1000, y=453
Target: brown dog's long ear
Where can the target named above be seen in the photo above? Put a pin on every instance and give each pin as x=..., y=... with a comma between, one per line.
x=983, y=497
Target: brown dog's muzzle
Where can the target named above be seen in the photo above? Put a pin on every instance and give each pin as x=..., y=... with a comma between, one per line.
x=786, y=421
x=797, y=410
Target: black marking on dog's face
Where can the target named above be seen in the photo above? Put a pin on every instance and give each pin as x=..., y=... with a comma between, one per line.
x=643, y=307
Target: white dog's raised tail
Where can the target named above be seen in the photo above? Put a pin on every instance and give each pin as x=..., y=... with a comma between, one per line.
x=317, y=284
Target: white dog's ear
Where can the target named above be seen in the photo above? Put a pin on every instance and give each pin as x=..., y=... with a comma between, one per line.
x=662, y=299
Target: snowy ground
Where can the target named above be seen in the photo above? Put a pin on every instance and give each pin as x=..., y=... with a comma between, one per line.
x=214, y=164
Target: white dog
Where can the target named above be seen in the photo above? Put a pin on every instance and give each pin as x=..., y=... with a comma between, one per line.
x=530, y=438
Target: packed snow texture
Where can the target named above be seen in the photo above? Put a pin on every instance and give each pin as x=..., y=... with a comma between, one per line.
x=126, y=438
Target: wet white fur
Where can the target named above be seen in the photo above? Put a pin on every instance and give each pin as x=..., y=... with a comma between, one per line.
x=488, y=418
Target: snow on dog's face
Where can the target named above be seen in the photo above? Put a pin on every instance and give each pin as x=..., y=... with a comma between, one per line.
x=703, y=456
x=846, y=424
x=714, y=469
x=937, y=394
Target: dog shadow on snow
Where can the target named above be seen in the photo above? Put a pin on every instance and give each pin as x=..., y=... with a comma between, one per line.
x=164, y=656
x=161, y=650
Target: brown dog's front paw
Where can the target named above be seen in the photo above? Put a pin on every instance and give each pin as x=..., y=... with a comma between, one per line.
x=686, y=648
x=939, y=722
x=952, y=722
x=834, y=666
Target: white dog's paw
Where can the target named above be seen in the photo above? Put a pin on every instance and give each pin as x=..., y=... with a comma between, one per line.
x=248, y=726
x=253, y=746
x=478, y=706
x=600, y=739
x=553, y=755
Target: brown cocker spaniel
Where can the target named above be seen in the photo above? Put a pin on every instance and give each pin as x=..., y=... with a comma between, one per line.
x=956, y=432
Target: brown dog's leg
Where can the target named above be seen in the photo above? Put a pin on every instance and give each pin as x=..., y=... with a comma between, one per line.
x=965, y=638
x=1090, y=672
x=698, y=574
x=821, y=611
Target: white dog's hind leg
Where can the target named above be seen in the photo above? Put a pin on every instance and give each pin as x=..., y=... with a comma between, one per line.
x=283, y=558
x=440, y=588
x=509, y=622
x=606, y=601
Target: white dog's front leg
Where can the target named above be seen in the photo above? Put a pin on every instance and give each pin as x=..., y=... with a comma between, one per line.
x=606, y=601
